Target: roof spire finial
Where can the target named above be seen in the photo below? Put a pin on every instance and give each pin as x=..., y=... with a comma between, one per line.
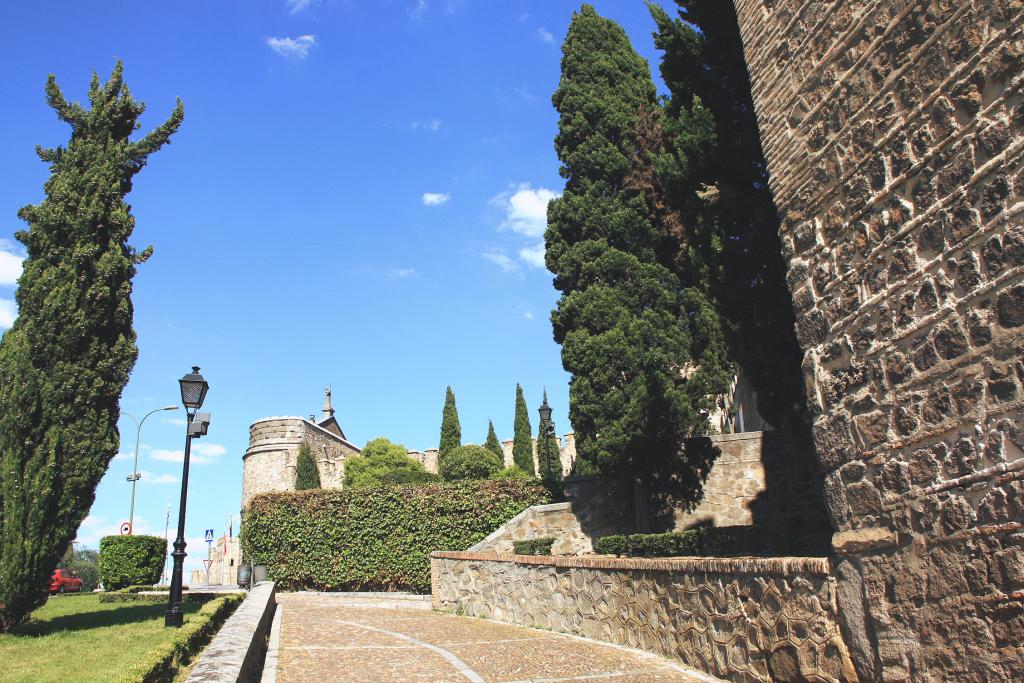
x=328, y=406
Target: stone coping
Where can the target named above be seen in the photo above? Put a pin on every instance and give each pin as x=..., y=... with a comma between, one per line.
x=236, y=652
x=778, y=566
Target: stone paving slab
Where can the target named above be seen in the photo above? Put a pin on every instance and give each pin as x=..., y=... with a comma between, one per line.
x=329, y=640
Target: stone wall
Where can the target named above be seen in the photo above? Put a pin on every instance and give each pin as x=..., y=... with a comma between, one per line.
x=893, y=135
x=269, y=462
x=566, y=453
x=556, y=520
x=749, y=619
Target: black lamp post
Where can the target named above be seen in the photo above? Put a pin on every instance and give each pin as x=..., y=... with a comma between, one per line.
x=547, y=427
x=193, y=392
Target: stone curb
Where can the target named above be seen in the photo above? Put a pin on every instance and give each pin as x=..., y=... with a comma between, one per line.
x=781, y=566
x=236, y=653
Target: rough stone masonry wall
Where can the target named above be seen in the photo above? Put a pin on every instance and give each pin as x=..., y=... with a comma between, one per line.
x=745, y=619
x=269, y=462
x=894, y=136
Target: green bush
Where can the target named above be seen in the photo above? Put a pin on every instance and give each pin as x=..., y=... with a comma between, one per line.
x=384, y=462
x=307, y=475
x=515, y=473
x=533, y=546
x=163, y=662
x=375, y=538
x=469, y=462
x=778, y=538
x=130, y=560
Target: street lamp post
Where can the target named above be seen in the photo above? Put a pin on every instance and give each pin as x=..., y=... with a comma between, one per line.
x=193, y=392
x=135, y=475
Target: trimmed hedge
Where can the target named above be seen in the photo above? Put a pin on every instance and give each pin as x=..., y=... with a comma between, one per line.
x=131, y=560
x=723, y=541
x=152, y=598
x=533, y=546
x=375, y=538
x=162, y=662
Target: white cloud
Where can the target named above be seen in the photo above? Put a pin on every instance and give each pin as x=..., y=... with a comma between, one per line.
x=293, y=48
x=150, y=478
x=7, y=313
x=433, y=125
x=401, y=272
x=500, y=260
x=545, y=35
x=299, y=5
x=202, y=453
x=526, y=209
x=528, y=315
x=417, y=8
x=534, y=255
x=11, y=257
x=435, y=198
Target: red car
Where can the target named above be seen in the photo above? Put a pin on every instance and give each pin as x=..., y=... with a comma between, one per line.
x=65, y=581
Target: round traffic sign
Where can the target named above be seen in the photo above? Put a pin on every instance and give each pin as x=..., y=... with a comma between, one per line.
x=126, y=528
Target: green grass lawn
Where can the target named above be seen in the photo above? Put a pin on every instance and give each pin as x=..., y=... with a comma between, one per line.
x=77, y=638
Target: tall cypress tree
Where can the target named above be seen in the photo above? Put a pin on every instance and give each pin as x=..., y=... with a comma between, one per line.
x=522, y=441
x=492, y=444
x=451, y=432
x=715, y=177
x=66, y=359
x=625, y=320
x=307, y=474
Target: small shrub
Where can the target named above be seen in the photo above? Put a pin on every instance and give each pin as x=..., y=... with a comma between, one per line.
x=469, y=462
x=130, y=560
x=777, y=538
x=514, y=473
x=533, y=546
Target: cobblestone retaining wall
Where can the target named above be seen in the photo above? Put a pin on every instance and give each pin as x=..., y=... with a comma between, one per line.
x=894, y=135
x=745, y=619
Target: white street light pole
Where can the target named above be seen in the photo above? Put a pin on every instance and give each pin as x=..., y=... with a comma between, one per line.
x=135, y=476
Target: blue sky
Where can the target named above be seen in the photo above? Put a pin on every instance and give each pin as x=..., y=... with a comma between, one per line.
x=356, y=198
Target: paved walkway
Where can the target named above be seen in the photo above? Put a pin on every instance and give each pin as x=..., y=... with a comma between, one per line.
x=331, y=638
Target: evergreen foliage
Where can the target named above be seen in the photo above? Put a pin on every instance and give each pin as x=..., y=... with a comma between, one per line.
x=469, y=462
x=634, y=336
x=451, y=432
x=66, y=359
x=522, y=441
x=715, y=179
x=492, y=444
x=383, y=462
x=131, y=560
x=378, y=538
x=307, y=475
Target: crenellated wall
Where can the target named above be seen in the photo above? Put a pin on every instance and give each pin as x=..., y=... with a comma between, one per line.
x=894, y=136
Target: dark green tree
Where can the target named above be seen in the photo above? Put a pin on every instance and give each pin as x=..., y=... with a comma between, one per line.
x=451, y=432
x=492, y=444
x=66, y=359
x=384, y=462
x=522, y=441
x=307, y=475
x=715, y=180
x=630, y=329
